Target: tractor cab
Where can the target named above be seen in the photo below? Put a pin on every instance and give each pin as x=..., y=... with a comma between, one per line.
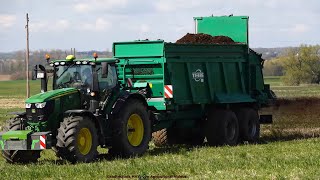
x=93, y=78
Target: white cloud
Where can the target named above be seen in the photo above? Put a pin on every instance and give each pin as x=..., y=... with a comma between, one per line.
x=102, y=24
x=175, y=5
x=99, y=25
x=39, y=27
x=7, y=21
x=300, y=28
x=144, y=28
x=62, y=24
x=94, y=5
x=297, y=28
x=45, y=26
x=81, y=7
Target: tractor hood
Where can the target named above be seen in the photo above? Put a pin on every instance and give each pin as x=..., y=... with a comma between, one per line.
x=50, y=95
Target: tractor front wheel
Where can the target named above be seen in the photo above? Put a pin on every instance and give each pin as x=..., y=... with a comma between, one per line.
x=77, y=139
x=16, y=156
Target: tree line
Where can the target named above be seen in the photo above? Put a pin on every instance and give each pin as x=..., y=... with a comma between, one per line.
x=296, y=66
x=14, y=63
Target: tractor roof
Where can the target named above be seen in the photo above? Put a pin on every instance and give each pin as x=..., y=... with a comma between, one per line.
x=89, y=60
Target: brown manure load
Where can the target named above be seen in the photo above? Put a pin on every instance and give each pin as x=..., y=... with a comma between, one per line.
x=204, y=39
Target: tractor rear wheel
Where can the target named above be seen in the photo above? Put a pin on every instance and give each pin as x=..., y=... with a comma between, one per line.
x=16, y=156
x=77, y=139
x=131, y=130
x=222, y=128
x=249, y=125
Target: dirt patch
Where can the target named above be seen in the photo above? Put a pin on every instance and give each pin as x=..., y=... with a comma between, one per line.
x=300, y=101
x=204, y=39
x=293, y=118
x=5, y=77
x=11, y=103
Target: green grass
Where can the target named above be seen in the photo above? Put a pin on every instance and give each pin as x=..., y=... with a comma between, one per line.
x=289, y=149
x=17, y=89
x=291, y=91
x=297, y=91
x=298, y=159
x=5, y=114
x=272, y=80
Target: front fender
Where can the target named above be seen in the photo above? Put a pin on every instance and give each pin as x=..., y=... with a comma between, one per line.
x=99, y=121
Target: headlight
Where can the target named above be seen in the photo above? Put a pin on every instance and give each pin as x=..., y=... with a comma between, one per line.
x=40, y=105
x=28, y=105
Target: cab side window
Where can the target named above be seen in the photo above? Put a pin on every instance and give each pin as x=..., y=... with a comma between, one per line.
x=110, y=81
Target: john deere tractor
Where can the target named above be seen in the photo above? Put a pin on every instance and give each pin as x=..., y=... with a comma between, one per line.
x=87, y=108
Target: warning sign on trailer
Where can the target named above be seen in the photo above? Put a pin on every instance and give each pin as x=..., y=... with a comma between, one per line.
x=168, y=91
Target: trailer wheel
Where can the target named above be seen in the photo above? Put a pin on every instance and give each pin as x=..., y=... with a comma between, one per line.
x=196, y=136
x=170, y=136
x=222, y=128
x=249, y=125
x=16, y=156
x=160, y=138
x=131, y=130
x=77, y=139
x=167, y=137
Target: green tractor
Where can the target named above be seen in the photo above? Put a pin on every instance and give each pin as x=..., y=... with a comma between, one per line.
x=87, y=108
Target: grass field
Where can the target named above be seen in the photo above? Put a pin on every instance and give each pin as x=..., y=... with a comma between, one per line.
x=292, y=91
x=289, y=148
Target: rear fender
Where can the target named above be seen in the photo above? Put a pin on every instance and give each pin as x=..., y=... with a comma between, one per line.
x=82, y=112
x=117, y=106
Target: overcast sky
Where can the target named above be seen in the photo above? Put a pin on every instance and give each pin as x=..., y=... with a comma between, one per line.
x=95, y=24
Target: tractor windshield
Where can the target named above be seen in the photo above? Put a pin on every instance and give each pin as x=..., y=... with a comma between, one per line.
x=77, y=76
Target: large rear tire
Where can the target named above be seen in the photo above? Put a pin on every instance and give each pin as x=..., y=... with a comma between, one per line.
x=131, y=130
x=18, y=156
x=249, y=125
x=77, y=139
x=222, y=128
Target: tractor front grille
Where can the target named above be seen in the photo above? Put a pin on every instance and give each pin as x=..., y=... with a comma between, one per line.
x=35, y=114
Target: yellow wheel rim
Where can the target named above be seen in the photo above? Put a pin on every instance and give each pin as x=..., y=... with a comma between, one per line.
x=84, y=141
x=135, y=130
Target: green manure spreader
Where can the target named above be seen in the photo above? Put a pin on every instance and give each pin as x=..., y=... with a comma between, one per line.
x=172, y=93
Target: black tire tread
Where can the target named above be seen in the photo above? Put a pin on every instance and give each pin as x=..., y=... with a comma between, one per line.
x=160, y=138
x=214, y=132
x=243, y=114
x=66, y=139
x=120, y=144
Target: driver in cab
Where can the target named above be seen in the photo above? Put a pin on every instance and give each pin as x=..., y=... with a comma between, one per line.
x=87, y=76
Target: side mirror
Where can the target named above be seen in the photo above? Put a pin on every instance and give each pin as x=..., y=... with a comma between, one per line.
x=42, y=74
x=34, y=73
x=104, y=70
